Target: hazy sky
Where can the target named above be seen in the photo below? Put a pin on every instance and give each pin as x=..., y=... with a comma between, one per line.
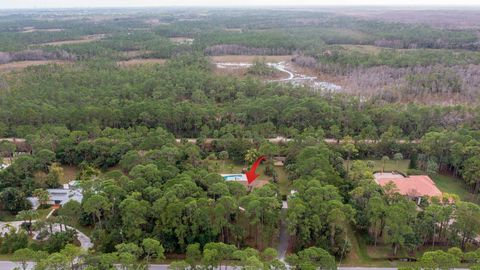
x=140, y=3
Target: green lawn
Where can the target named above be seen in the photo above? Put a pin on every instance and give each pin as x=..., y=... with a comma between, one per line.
x=453, y=185
x=392, y=165
x=6, y=216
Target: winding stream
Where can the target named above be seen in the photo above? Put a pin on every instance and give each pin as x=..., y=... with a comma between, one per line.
x=294, y=78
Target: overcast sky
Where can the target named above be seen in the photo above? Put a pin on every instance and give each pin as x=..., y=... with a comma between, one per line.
x=142, y=3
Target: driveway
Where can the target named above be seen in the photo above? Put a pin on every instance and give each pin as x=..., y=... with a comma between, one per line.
x=84, y=240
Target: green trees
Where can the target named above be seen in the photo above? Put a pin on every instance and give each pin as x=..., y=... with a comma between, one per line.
x=471, y=172
x=315, y=210
x=398, y=223
x=385, y=159
x=44, y=159
x=95, y=205
x=397, y=157
x=312, y=258
x=349, y=147
x=376, y=214
x=133, y=211
x=7, y=149
x=42, y=195
x=438, y=260
x=28, y=215
x=13, y=241
x=14, y=200
x=262, y=209
x=24, y=256
x=467, y=221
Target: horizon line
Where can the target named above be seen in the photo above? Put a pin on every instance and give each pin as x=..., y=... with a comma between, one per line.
x=405, y=6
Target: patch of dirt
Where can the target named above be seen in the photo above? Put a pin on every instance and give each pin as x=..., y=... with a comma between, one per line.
x=136, y=62
x=69, y=173
x=83, y=39
x=13, y=66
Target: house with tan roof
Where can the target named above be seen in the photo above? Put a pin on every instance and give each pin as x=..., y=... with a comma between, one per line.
x=413, y=186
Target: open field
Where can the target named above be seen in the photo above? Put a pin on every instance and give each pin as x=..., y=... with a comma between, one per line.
x=83, y=39
x=249, y=58
x=33, y=29
x=137, y=62
x=182, y=40
x=453, y=185
x=19, y=65
x=362, y=48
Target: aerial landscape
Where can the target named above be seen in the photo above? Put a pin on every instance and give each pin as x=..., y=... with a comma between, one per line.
x=273, y=137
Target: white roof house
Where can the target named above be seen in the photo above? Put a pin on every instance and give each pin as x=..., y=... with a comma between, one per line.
x=70, y=191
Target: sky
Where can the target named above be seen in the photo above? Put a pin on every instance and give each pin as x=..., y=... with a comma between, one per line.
x=13, y=4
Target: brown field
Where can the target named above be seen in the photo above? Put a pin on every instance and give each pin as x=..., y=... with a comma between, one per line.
x=69, y=173
x=249, y=58
x=457, y=19
x=13, y=66
x=83, y=39
x=136, y=62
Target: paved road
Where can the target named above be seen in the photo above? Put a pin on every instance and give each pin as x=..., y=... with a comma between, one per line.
x=283, y=237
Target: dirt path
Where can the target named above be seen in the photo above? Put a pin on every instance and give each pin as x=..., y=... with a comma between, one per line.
x=283, y=236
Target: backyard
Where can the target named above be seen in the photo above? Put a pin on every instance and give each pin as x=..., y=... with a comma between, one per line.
x=228, y=166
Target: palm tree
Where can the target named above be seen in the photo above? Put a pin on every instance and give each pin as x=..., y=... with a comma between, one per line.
x=28, y=215
x=397, y=157
x=251, y=155
x=384, y=160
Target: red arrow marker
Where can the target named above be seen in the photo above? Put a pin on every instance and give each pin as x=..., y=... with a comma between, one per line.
x=251, y=175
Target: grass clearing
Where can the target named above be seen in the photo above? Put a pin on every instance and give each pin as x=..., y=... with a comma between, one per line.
x=228, y=166
x=250, y=58
x=453, y=185
x=82, y=39
x=69, y=173
x=19, y=65
x=140, y=61
x=370, y=49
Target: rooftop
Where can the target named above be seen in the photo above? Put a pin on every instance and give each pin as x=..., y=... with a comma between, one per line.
x=413, y=186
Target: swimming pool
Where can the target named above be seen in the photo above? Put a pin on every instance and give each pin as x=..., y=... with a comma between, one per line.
x=234, y=177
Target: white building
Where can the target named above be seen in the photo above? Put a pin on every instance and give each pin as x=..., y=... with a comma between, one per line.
x=60, y=196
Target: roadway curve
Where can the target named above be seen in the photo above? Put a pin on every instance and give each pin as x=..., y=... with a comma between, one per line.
x=84, y=240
